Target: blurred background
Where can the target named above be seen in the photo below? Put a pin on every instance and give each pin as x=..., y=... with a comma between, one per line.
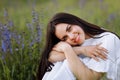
x=23, y=28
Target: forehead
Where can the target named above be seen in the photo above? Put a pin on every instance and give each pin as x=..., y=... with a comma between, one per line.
x=60, y=30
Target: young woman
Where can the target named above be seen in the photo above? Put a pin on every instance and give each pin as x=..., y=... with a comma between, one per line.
x=76, y=49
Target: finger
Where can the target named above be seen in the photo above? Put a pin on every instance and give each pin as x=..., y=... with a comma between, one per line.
x=95, y=57
x=103, y=49
x=101, y=54
x=96, y=53
x=102, y=57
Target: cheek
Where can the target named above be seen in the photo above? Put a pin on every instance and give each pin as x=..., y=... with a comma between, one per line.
x=82, y=39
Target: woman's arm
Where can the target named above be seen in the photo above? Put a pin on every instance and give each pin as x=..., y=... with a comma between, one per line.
x=78, y=68
x=76, y=65
x=56, y=56
x=90, y=51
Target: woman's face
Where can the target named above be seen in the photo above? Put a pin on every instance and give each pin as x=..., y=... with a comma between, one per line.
x=72, y=34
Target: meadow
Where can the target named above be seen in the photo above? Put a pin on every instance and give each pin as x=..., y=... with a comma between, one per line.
x=23, y=29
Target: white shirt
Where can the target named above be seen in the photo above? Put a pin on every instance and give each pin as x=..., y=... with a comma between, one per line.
x=111, y=66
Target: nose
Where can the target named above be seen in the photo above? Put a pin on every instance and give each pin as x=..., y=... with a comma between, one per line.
x=71, y=36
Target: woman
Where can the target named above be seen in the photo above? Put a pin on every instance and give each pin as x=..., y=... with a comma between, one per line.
x=69, y=36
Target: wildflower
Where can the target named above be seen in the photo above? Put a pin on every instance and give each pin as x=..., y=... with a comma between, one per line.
x=6, y=37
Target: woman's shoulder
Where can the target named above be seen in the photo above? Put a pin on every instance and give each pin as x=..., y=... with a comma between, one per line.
x=108, y=35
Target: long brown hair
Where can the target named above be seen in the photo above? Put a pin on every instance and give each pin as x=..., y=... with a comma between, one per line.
x=51, y=39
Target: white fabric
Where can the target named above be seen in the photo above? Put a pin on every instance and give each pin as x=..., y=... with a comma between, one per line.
x=60, y=71
x=111, y=66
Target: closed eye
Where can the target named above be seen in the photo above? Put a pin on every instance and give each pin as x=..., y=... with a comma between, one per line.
x=69, y=28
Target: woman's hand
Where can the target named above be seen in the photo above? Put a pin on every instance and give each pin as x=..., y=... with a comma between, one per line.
x=61, y=46
x=57, y=53
x=95, y=52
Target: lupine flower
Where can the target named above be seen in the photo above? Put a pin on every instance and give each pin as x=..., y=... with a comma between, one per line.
x=38, y=38
x=37, y=25
x=35, y=16
x=4, y=47
x=6, y=37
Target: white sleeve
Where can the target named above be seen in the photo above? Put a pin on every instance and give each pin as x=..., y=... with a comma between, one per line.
x=109, y=66
x=60, y=71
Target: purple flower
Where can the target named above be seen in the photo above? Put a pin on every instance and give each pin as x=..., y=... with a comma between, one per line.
x=4, y=47
x=39, y=33
x=6, y=40
x=35, y=17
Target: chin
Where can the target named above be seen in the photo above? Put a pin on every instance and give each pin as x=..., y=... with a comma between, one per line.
x=75, y=44
x=80, y=43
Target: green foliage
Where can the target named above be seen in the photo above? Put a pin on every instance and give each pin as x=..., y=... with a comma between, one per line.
x=22, y=62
